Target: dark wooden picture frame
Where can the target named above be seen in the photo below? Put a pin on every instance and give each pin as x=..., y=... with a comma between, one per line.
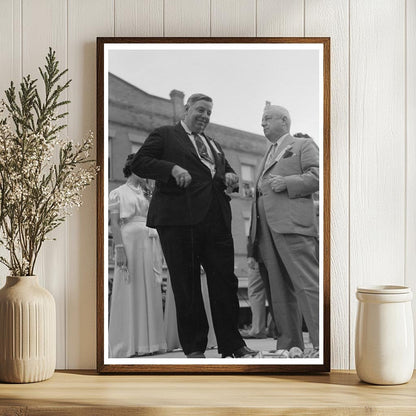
x=145, y=365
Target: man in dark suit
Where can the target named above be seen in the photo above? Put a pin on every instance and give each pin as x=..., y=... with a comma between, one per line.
x=284, y=225
x=192, y=215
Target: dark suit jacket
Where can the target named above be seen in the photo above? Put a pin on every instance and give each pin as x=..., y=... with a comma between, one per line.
x=171, y=205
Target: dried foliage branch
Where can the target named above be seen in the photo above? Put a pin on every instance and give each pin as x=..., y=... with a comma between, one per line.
x=41, y=175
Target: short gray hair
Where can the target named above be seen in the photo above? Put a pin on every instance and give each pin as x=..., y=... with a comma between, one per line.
x=279, y=110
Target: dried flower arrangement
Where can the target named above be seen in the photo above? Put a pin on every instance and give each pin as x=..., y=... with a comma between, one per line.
x=42, y=176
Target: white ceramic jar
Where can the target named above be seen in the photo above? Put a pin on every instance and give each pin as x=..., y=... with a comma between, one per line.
x=384, y=337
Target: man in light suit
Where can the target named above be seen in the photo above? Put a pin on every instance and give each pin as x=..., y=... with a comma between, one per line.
x=284, y=227
x=192, y=215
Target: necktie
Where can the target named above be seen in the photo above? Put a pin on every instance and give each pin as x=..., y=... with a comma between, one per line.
x=271, y=156
x=202, y=149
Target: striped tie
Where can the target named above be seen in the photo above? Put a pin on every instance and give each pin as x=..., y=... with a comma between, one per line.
x=202, y=149
x=272, y=155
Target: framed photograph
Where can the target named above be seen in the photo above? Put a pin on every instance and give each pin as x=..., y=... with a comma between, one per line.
x=213, y=210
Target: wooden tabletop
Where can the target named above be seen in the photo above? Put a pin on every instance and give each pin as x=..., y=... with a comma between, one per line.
x=86, y=393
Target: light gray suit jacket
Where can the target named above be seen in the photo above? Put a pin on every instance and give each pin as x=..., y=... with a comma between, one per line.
x=291, y=211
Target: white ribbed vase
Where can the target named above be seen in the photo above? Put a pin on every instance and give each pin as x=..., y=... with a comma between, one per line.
x=27, y=331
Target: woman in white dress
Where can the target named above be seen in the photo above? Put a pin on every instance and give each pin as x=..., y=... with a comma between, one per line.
x=136, y=315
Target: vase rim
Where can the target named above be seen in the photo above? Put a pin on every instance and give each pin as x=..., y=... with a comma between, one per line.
x=384, y=289
x=23, y=277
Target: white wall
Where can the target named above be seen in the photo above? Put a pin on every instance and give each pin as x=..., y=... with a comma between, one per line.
x=373, y=127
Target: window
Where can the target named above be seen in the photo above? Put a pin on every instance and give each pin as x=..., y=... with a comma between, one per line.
x=247, y=180
x=247, y=218
x=247, y=173
x=110, y=145
x=247, y=226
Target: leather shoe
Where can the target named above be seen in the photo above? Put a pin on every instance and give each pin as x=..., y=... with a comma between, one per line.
x=195, y=354
x=242, y=352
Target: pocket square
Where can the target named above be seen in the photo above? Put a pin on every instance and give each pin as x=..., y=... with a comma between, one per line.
x=288, y=154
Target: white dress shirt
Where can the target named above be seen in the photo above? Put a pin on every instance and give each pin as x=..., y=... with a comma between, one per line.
x=210, y=166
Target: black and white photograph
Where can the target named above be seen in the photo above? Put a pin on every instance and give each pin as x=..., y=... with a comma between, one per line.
x=213, y=249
